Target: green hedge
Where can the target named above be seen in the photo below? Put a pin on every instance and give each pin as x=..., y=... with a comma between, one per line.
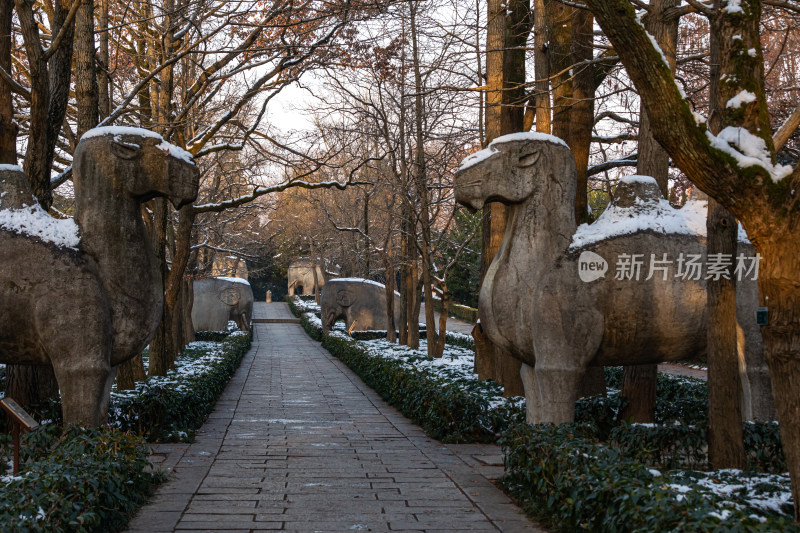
x=170, y=409
x=597, y=474
x=315, y=332
x=84, y=480
x=92, y=479
x=461, y=312
x=446, y=412
x=570, y=481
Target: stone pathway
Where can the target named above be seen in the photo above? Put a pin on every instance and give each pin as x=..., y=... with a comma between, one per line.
x=453, y=324
x=682, y=370
x=298, y=443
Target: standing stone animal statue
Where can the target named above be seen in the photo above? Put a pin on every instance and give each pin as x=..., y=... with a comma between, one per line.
x=301, y=275
x=356, y=300
x=551, y=298
x=218, y=300
x=85, y=301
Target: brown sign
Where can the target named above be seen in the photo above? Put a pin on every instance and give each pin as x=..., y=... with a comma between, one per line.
x=18, y=414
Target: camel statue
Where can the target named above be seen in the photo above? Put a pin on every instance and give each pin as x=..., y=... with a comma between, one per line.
x=86, y=301
x=553, y=297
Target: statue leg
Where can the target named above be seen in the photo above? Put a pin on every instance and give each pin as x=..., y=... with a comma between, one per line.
x=563, y=354
x=533, y=399
x=558, y=387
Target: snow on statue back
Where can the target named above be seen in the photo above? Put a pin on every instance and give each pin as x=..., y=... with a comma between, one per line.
x=86, y=309
x=21, y=213
x=560, y=298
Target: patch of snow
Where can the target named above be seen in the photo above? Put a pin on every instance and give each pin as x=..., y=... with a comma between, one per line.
x=118, y=131
x=734, y=6
x=11, y=167
x=486, y=153
x=744, y=97
x=748, y=150
x=176, y=151
x=654, y=43
x=615, y=221
x=234, y=280
x=121, y=130
x=752, y=52
x=698, y=118
x=33, y=221
x=638, y=178
x=362, y=280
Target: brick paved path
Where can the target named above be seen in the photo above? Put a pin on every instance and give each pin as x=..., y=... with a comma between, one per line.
x=298, y=443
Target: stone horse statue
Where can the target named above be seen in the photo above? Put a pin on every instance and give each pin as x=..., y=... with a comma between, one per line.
x=85, y=306
x=535, y=303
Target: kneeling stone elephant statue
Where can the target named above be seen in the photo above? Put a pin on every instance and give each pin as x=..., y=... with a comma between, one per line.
x=359, y=301
x=218, y=300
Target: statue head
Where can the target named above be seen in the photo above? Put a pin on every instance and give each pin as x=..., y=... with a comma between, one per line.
x=136, y=162
x=512, y=169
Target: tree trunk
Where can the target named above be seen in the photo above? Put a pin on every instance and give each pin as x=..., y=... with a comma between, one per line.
x=559, y=26
x=160, y=344
x=639, y=393
x=86, y=96
x=780, y=291
x=507, y=34
x=581, y=116
x=103, y=78
x=30, y=385
x=188, y=302
x=639, y=381
x=8, y=128
x=391, y=331
x=129, y=372
x=542, y=68
x=403, y=326
x=725, y=440
x=420, y=178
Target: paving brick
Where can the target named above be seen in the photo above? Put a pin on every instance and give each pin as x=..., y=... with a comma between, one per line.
x=298, y=443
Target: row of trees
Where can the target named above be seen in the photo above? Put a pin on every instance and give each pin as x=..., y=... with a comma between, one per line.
x=718, y=110
x=401, y=92
x=201, y=73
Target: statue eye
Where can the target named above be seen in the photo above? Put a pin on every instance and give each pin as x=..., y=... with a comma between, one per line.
x=526, y=160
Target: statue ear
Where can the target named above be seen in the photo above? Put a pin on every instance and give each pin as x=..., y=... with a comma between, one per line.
x=528, y=157
x=229, y=296
x=125, y=150
x=344, y=299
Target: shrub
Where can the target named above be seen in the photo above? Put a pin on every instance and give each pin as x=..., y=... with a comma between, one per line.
x=461, y=312
x=445, y=410
x=171, y=408
x=566, y=478
x=86, y=479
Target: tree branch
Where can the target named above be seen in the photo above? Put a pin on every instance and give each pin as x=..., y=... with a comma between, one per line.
x=786, y=129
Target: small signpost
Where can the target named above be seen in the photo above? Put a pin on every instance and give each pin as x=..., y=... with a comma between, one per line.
x=19, y=418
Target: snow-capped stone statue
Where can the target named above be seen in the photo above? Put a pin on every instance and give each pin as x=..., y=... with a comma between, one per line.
x=628, y=289
x=84, y=295
x=218, y=300
x=360, y=302
x=304, y=272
